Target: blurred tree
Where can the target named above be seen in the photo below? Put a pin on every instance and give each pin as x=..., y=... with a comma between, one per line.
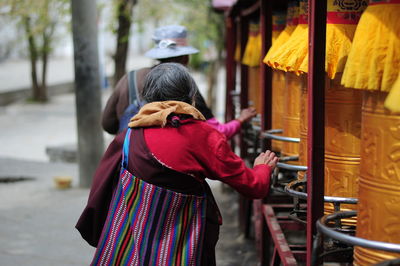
x=206, y=30
x=123, y=13
x=38, y=18
x=151, y=12
x=207, y=34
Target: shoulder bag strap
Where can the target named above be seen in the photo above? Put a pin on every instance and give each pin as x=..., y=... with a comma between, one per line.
x=132, y=86
x=125, y=148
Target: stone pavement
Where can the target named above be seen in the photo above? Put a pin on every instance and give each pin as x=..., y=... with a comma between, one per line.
x=36, y=219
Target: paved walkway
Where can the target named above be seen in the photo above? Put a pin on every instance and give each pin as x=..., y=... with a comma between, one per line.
x=37, y=220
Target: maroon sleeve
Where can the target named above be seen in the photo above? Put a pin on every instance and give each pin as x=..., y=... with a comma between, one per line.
x=115, y=106
x=199, y=150
x=91, y=221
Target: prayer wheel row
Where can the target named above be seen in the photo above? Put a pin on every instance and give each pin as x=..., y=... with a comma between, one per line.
x=278, y=99
x=379, y=184
x=291, y=113
x=342, y=135
x=342, y=143
x=362, y=138
x=362, y=159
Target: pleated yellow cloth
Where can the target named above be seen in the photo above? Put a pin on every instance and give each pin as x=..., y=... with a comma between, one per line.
x=340, y=29
x=342, y=20
x=339, y=38
x=282, y=38
x=374, y=59
x=291, y=54
x=292, y=18
x=252, y=52
x=392, y=101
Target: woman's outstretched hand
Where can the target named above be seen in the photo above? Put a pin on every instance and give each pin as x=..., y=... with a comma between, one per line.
x=268, y=157
x=247, y=114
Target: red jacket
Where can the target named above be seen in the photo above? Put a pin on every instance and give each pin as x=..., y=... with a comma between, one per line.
x=201, y=151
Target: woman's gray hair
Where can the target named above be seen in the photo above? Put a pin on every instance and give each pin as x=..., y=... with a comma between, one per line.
x=169, y=82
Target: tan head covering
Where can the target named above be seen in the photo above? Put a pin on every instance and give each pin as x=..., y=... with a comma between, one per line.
x=156, y=113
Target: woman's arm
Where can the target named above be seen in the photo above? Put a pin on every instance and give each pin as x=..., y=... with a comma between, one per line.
x=228, y=129
x=231, y=169
x=232, y=127
x=109, y=120
x=201, y=151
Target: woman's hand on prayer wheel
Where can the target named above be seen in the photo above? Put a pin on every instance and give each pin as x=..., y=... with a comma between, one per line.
x=268, y=157
x=247, y=114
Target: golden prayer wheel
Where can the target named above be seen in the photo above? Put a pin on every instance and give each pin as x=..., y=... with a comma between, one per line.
x=291, y=115
x=379, y=184
x=342, y=143
x=303, y=125
x=278, y=100
x=278, y=82
x=255, y=88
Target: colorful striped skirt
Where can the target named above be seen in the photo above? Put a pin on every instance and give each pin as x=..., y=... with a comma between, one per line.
x=150, y=225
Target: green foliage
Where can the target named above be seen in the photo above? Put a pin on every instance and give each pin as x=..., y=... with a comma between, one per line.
x=38, y=19
x=120, y=8
x=196, y=61
x=42, y=12
x=41, y=16
x=156, y=11
x=204, y=25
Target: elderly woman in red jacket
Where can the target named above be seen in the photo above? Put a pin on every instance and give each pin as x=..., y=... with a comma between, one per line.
x=168, y=149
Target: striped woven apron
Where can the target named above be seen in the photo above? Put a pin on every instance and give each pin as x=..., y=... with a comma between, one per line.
x=150, y=225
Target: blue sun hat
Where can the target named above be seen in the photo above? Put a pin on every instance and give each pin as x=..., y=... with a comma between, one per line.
x=170, y=41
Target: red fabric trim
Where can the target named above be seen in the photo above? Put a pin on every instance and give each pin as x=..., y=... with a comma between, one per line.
x=293, y=21
x=343, y=17
x=278, y=27
x=383, y=2
x=303, y=19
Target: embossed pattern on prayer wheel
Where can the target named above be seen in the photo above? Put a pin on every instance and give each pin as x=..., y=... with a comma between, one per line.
x=303, y=125
x=379, y=185
x=342, y=143
x=291, y=115
x=278, y=102
x=255, y=88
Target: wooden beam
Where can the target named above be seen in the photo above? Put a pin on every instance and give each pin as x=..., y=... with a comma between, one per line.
x=316, y=119
x=251, y=10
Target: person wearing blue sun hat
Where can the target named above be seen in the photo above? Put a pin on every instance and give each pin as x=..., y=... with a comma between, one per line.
x=170, y=41
x=170, y=46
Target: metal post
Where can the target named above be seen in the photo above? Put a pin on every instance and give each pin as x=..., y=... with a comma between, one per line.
x=244, y=69
x=230, y=65
x=316, y=121
x=266, y=72
x=266, y=113
x=87, y=88
x=244, y=77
